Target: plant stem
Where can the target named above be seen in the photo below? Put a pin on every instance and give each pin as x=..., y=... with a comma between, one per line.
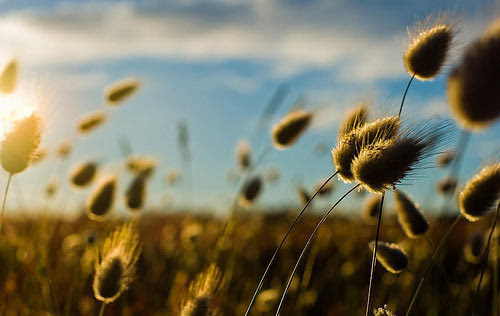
x=101, y=311
x=495, y=277
x=276, y=251
x=306, y=247
x=4, y=200
x=433, y=258
x=484, y=260
x=404, y=95
x=375, y=247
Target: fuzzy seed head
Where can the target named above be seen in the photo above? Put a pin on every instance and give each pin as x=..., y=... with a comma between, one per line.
x=481, y=193
x=391, y=256
x=287, y=131
x=473, y=84
x=90, y=122
x=371, y=209
x=100, y=202
x=115, y=264
x=350, y=144
x=136, y=193
x=444, y=159
x=8, y=78
x=243, y=154
x=446, y=186
x=120, y=91
x=20, y=144
x=383, y=311
x=250, y=191
x=410, y=218
x=83, y=174
x=141, y=165
x=201, y=293
x=428, y=51
x=64, y=149
x=386, y=163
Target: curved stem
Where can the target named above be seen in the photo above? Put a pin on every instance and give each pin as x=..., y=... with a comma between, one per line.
x=375, y=247
x=484, y=260
x=306, y=247
x=4, y=200
x=101, y=311
x=292, y=225
x=433, y=258
x=404, y=95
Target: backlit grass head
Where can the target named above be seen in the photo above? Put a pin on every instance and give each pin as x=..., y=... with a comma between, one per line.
x=89, y=122
x=83, y=174
x=121, y=90
x=20, y=143
x=391, y=256
x=251, y=191
x=481, y=193
x=100, y=202
x=200, y=300
x=135, y=196
x=287, y=131
x=410, y=218
x=429, y=46
x=243, y=154
x=8, y=78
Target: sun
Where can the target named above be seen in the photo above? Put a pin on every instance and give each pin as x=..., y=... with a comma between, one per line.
x=13, y=107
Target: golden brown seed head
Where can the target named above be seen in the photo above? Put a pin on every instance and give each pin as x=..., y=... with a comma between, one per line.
x=141, y=165
x=91, y=121
x=136, y=193
x=350, y=144
x=115, y=264
x=383, y=311
x=371, y=209
x=481, y=193
x=201, y=293
x=409, y=216
x=20, y=144
x=446, y=186
x=250, y=191
x=445, y=158
x=473, y=85
x=286, y=132
x=428, y=51
x=8, y=78
x=303, y=195
x=100, y=202
x=120, y=91
x=83, y=174
x=473, y=250
x=355, y=118
x=64, y=149
x=391, y=256
x=243, y=154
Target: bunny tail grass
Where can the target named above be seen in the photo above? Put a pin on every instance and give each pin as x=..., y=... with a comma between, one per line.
x=433, y=258
x=4, y=200
x=375, y=248
x=306, y=247
x=485, y=261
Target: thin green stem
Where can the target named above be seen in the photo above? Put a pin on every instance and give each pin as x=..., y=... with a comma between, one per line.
x=484, y=260
x=306, y=247
x=375, y=247
x=404, y=95
x=4, y=200
x=433, y=258
x=276, y=251
x=101, y=311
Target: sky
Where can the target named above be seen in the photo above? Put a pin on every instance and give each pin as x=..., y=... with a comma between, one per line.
x=215, y=65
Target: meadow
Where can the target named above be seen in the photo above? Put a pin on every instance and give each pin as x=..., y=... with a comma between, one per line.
x=379, y=261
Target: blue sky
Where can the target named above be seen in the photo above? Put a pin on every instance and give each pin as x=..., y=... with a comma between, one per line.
x=216, y=64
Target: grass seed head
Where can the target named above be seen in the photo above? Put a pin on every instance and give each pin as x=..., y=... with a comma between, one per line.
x=250, y=191
x=115, y=264
x=8, y=78
x=20, y=144
x=473, y=85
x=287, y=131
x=371, y=209
x=410, y=218
x=141, y=165
x=446, y=186
x=445, y=158
x=481, y=193
x=391, y=256
x=83, y=174
x=120, y=91
x=350, y=144
x=90, y=122
x=136, y=193
x=201, y=294
x=243, y=154
x=429, y=47
x=64, y=149
x=383, y=311
x=303, y=195
x=100, y=202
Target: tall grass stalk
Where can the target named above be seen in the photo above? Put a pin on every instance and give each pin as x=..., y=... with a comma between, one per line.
x=4, y=200
x=101, y=310
x=276, y=251
x=404, y=95
x=484, y=260
x=495, y=277
x=433, y=258
x=306, y=247
x=374, y=258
